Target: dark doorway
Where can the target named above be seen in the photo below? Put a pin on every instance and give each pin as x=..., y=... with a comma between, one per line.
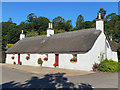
x=57, y=59
x=18, y=58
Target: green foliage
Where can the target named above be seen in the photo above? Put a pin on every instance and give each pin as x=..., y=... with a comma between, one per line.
x=40, y=61
x=109, y=66
x=87, y=24
x=103, y=12
x=31, y=34
x=59, y=31
x=60, y=23
x=30, y=17
x=40, y=24
x=80, y=22
x=119, y=51
x=101, y=57
x=9, y=45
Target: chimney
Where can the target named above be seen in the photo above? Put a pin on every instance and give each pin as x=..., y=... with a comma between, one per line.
x=50, y=30
x=22, y=35
x=99, y=23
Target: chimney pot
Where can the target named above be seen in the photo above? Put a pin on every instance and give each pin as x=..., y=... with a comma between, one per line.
x=50, y=30
x=22, y=35
x=99, y=15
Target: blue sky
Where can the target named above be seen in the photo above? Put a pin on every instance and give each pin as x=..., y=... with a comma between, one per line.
x=19, y=11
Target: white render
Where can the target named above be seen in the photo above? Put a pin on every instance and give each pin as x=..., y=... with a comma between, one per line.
x=22, y=36
x=100, y=25
x=50, y=32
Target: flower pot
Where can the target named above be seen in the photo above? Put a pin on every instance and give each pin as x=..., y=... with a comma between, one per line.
x=95, y=70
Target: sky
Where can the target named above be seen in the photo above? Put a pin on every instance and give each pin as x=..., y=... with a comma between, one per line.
x=19, y=11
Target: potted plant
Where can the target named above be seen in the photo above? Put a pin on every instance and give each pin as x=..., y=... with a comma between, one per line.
x=27, y=57
x=55, y=64
x=14, y=62
x=95, y=67
x=40, y=61
x=20, y=63
x=45, y=59
x=73, y=59
x=12, y=57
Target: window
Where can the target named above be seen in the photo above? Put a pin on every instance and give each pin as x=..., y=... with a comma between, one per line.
x=107, y=45
x=75, y=55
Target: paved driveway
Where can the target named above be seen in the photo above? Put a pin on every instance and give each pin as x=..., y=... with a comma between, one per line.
x=14, y=78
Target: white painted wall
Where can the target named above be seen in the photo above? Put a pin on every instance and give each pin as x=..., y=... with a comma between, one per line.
x=9, y=60
x=111, y=54
x=50, y=62
x=33, y=61
x=50, y=32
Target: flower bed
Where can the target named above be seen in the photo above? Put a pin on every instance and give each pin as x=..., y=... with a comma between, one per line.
x=45, y=59
x=27, y=57
x=73, y=59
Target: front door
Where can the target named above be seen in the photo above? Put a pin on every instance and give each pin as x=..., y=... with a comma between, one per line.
x=57, y=59
x=18, y=58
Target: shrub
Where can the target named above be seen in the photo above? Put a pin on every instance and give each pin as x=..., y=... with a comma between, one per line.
x=40, y=61
x=20, y=63
x=109, y=66
x=9, y=45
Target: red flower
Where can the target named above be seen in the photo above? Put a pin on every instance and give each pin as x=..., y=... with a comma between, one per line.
x=27, y=57
x=12, y=57
x=55, y=64
x=73, y=59
x=46, y=58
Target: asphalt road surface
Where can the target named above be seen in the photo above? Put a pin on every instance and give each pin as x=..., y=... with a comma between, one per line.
x=13, y=78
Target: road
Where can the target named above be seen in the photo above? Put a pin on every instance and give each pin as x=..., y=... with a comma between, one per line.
x=13, y=78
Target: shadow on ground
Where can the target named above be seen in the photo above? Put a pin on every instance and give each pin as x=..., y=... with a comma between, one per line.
x=48, y=81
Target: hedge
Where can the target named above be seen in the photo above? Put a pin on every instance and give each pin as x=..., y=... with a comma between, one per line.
x=109, y=66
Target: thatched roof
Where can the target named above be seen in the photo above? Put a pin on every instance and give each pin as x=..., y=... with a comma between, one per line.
x=75, y=41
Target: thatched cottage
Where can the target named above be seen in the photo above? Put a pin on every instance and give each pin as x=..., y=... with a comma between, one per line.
x=77, y=50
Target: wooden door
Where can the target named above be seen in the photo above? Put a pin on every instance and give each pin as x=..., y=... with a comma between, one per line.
x=57, y=59
x=18, y=58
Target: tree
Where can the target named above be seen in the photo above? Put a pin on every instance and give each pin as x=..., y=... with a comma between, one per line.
x=40, y=24
x=80, y=22
x=30, y=17
x=59, y=23
x=68, y=25
x=10, y=20
x=59, y=31
x=87, y=24
x=13, y=34
x=103, y=12
x=112, y=26
x=31, y=34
